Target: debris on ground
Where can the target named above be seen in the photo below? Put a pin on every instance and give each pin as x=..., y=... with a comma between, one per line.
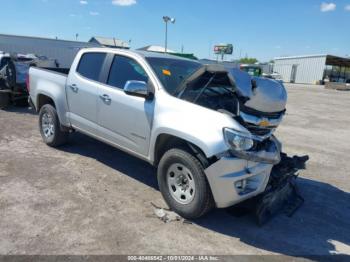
x=166, y=215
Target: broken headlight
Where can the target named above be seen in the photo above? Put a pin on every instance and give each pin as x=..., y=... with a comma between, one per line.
x=237, y=140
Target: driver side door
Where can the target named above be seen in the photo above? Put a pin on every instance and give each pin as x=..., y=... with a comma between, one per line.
x=125, y=120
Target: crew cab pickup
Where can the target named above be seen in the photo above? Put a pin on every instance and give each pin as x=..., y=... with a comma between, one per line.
x=207, y=129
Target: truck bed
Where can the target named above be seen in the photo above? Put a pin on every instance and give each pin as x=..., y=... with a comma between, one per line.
x=56, y=76
x=47, y=79
x=64, y=71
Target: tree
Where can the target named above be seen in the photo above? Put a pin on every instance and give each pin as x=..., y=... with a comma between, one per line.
x=248, y=60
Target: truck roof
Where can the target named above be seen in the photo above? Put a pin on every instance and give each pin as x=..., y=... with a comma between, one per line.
x=145, y=54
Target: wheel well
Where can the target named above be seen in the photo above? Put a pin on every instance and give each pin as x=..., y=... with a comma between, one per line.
x=44, y=100
x=165, y=142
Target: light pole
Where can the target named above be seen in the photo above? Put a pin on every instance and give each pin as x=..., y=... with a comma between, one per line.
x=167, y=19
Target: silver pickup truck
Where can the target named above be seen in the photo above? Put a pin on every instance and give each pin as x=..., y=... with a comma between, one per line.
x=207, y=129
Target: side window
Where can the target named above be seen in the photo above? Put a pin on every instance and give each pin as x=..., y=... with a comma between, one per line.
x=90, y=65
x=124, y=69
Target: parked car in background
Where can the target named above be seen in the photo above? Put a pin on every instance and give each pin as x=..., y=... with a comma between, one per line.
x=275, y=76
x=208, y=132
x=14, y=70
x=252, y=70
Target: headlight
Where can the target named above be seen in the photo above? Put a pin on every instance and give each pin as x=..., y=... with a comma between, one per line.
x=237, y=140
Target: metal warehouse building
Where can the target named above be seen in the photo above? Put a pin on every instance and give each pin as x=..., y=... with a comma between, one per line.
x=63, y=51
x=312, y=69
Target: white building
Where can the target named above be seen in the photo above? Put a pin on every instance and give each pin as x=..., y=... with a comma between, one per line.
x=312, y=69
x=109, y=42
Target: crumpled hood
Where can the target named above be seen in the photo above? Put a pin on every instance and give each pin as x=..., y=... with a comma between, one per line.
x=266, y=96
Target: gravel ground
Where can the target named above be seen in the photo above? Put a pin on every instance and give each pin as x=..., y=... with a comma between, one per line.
x=89, y=198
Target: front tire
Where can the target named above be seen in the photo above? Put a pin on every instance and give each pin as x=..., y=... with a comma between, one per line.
x=50, y=127
x=183, y=184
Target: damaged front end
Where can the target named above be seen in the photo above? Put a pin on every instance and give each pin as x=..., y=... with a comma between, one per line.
x=238, y=175
x=248, y=168
x=261, y=114
x=281, y=193
x=257, y=104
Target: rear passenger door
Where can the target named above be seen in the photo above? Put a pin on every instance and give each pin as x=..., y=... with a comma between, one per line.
x=82, y=91
x=123, y=119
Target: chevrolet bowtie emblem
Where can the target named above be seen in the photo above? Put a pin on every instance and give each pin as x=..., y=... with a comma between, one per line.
x=264, y=123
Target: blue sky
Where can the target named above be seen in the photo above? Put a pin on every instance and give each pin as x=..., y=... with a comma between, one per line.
x=262, y=29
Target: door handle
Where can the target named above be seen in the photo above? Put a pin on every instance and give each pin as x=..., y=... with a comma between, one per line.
x=74, y=88
x=106, y=98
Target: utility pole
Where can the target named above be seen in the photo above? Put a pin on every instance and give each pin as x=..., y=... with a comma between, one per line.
x=167, y=19
x=166, y=38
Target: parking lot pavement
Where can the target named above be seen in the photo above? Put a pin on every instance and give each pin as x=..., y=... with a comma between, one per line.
x=89, y=198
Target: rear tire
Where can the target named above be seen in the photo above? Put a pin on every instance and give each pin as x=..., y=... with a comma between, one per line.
x=50, y=127
x=183, y=184
x=4, y=100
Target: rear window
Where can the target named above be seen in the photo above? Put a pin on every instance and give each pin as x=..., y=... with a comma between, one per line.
x=90, y=65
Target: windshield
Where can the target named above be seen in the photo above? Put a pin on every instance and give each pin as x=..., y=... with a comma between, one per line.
x=172, y=72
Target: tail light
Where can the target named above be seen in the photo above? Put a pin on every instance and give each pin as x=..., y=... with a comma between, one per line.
x=28, y=83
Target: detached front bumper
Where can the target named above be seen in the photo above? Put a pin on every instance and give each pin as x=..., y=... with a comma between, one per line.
x=238, y=176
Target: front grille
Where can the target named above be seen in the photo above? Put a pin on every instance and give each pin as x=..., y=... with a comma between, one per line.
x=257, y=130
x=251, y=119
x=251, y=111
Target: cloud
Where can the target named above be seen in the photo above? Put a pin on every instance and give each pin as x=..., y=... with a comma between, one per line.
x=94, y=13
x=75, y=16
x=347, y=8
x=83, y=2
x=124, y=2
x=328, y=7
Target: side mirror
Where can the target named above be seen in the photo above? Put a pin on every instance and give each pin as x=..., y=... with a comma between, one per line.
x=137, y=88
